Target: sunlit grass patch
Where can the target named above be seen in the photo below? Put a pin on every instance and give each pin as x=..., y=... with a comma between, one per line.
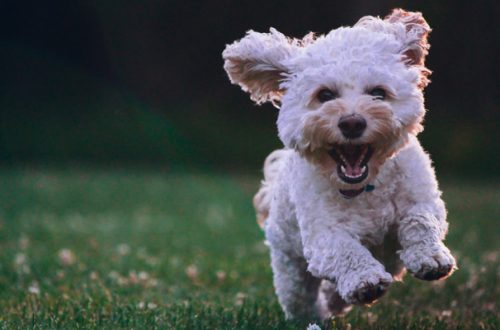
x=130, y=248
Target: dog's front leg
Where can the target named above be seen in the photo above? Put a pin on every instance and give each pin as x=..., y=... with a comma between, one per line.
x=422, y=226
x=340, y=257
x=424, y=253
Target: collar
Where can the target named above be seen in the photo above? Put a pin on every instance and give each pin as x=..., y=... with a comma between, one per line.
x=348, y=194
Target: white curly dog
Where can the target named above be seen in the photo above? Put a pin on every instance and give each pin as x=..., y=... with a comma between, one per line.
x=352, y=199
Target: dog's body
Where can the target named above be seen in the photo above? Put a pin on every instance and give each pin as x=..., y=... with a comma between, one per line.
x=352, y=200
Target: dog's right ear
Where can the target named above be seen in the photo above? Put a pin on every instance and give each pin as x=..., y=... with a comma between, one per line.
x=256, y=63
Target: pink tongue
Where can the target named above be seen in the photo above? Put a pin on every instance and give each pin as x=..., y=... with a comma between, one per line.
x=352, y=170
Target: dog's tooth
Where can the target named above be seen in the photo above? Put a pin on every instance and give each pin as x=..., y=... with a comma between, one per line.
x=363, y=169
x=342, y=168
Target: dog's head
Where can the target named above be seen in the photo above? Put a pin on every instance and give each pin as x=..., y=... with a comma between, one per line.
x=349, y=99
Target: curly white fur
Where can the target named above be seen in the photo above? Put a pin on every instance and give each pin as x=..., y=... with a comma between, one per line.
x=328, y=252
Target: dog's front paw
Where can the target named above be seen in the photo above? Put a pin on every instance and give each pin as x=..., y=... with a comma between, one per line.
x=428, y=261
x=367, y=288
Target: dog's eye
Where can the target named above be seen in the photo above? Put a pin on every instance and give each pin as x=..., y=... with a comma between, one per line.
x=326, y=95
x=378, y=93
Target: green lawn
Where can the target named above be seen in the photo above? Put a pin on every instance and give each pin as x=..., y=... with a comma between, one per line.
x=101, y=248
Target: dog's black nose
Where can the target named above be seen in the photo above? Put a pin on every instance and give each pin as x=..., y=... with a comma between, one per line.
x=352, y=126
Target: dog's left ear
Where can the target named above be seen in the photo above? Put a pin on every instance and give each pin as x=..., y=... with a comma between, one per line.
x=415, y=45
x=257, y=63
x=411, y=30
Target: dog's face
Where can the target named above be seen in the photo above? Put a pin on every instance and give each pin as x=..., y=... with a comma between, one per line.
x=349, y=100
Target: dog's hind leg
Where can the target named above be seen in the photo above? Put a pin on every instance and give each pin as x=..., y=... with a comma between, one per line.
x=329, y=302
x=262, y=200
x=296, y=288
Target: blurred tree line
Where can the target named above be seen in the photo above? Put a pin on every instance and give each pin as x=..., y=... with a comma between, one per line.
x=142, y=81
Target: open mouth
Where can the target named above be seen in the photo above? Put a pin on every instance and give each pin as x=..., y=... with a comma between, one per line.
x=352, y=161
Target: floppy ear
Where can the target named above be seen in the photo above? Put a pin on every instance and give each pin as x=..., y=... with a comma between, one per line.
x=410, y=29
x=256, y=63
x=415, y=45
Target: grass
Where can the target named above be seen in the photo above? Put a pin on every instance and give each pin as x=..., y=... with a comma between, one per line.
x=115, y=248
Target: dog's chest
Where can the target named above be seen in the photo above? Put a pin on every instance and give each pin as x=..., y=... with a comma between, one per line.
x=369, y=217
x=371, y=214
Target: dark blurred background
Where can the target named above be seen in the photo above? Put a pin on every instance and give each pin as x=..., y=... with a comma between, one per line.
x=141, y=82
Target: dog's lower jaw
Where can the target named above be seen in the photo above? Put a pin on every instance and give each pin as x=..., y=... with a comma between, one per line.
x=348, y=194
x=353, y=190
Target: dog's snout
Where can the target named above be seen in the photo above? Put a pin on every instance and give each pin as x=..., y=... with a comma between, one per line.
x=352, y=126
